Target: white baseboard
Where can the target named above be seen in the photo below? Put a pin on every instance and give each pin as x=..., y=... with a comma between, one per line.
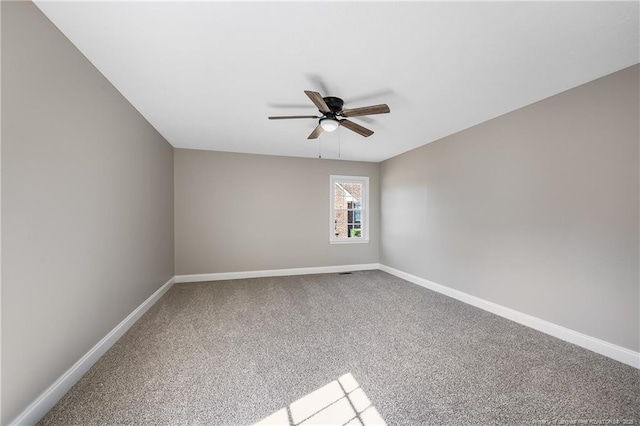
x=607, y=349
x=275, y=273
x=41, y=406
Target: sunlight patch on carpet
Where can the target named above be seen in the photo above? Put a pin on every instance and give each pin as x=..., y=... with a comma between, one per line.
x=341, y=402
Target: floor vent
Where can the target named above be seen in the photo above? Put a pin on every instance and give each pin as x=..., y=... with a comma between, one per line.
x=344, y=273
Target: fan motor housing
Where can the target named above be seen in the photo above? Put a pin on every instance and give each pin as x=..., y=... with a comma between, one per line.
x=334, y=104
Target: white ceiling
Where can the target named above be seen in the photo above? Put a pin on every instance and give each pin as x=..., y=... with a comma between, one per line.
x=207, y=74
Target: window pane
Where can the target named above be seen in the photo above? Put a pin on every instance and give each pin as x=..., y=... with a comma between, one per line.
x=347, y=224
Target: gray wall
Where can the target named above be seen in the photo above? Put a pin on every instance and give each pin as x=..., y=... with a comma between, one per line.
x=87, y=206
x=241, y=212
x=536, y=210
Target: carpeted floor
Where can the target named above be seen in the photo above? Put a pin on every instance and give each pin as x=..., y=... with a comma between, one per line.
x=238, y=352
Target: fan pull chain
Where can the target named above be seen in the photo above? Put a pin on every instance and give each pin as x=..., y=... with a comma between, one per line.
x=339, y=140
x=319, y=150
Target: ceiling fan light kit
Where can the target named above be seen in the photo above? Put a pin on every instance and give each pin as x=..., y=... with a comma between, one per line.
x=329, y=124
x=331, y=109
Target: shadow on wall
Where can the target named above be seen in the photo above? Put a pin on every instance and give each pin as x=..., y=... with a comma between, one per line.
x=341, y=402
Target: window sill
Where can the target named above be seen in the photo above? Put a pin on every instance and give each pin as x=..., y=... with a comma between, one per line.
x=349, y=241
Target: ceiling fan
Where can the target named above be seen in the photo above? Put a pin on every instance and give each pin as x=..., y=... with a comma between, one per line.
x=332, y=115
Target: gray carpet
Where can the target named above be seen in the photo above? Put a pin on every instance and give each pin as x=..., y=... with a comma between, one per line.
x=237, y=352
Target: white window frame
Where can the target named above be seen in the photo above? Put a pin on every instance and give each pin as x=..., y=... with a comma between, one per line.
x=364, y=220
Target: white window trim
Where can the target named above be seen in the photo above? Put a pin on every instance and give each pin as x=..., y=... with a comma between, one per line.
x=364, y=180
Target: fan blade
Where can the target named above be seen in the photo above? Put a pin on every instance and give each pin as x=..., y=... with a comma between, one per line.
x=316, y=132
x=286, y=117
x=368, y=110
x=356, y=128
x=318, y=82
x=279, y=105
x=316, y=98
x=370, y=95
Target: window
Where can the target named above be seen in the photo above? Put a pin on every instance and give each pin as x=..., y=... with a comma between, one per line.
x=349, y=218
